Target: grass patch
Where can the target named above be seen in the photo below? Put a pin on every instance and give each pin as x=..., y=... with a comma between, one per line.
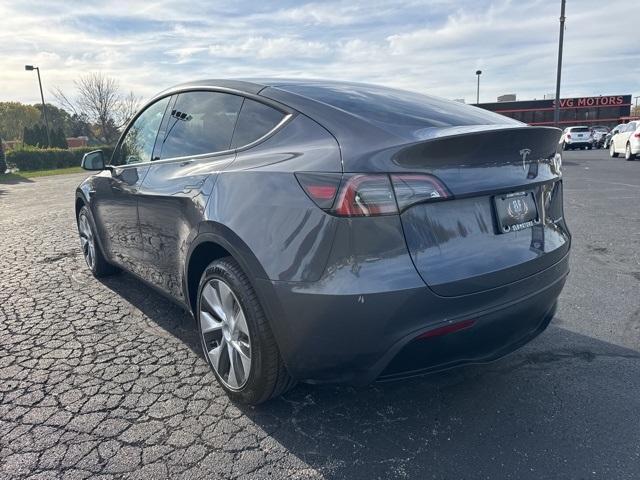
x=22, y=176
x=46, y=173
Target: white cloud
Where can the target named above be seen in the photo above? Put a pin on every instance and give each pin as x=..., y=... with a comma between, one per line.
x=265, y=48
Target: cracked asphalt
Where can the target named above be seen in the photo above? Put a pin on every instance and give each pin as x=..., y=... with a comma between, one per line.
x=106, y=380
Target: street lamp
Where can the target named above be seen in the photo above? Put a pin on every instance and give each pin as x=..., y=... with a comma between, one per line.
x=556, y=107
x=29, y=68
x=478, y=73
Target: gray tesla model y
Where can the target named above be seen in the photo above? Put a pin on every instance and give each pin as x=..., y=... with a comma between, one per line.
x=332, y=232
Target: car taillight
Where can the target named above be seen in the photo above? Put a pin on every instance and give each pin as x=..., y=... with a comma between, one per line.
x=568, y=135
x=637, y=134
x=321, y=187
x=366, y=195
x=417, y=188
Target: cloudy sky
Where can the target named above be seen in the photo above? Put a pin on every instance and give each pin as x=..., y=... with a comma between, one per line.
x=432, y=46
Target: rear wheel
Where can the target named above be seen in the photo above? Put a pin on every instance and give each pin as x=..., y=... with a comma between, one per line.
x=236, y=338
x=627, y=153
x=612, y=150
x=90, y=247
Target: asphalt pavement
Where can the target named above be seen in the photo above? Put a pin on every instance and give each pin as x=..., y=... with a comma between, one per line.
x=106, y=379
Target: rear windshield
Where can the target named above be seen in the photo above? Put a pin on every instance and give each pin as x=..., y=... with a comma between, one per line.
x=398, y=109
x=580, y=129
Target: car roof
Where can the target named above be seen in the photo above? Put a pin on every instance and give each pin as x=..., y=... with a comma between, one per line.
x=255, y=85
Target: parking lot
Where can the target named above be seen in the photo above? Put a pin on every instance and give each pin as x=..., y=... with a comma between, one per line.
x=106, y=379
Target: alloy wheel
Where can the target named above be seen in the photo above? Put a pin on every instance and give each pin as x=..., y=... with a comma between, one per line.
x=224, y=334
x=87, y=241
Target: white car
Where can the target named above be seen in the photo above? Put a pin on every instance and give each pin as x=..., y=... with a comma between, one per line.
x=576, y=137
x=626, y=141
x=609, y=136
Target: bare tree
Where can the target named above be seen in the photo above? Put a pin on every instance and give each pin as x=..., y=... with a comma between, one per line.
x=98, y=97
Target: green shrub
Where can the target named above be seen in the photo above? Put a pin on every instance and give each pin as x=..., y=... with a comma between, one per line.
x=3, y=164
x=31, y=158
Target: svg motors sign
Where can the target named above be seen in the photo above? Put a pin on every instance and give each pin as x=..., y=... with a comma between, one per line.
x=608, y=101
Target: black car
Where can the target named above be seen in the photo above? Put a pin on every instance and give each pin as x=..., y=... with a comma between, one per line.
x=333, y=232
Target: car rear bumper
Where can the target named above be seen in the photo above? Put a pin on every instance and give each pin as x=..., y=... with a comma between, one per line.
x=579, y=143
x=326, y=336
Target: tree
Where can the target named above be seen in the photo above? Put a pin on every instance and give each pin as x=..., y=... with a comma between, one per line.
x=99, y=99
x=14, y=117
x=3, y=162
x=36, y=136
x=58, y=138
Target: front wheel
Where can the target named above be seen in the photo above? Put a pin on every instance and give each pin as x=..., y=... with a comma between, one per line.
x=627, y=153
x=91, y=250
x=612, y=150
x=236, y=338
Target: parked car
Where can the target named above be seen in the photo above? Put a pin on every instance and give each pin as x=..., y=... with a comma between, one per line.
x=332, y=232
x=608, y=136
x=599, y=132
x=626, y=141
x=576, y=137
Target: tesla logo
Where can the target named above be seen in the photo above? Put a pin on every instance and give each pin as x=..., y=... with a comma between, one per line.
x=517, y=208
x=524, y=153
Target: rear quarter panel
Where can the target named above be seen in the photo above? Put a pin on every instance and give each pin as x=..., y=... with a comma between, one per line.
x=259, y=199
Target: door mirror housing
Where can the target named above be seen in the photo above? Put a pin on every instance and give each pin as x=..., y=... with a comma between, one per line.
x=93, y=161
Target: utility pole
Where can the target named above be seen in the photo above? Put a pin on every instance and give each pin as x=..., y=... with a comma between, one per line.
x=44, y=107
x=478, y=73
x=556, y=109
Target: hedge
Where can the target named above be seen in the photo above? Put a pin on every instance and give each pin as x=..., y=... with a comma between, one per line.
x=30, y=158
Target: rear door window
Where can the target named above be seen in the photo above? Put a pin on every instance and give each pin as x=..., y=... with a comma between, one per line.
x=255, y=121
x=199, y=123
x=580, y=129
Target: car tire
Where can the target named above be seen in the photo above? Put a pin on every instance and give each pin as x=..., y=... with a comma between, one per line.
x=93, y=255
x=589, y=147
x=612, y=150
x=231, y=346
x=627, y=153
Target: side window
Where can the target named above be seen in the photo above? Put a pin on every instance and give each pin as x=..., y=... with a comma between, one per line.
x=137, y=145
x=200, y=122
x=256, y=120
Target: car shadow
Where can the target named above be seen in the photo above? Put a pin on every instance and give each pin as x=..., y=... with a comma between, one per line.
x=564, y=406
x=160, y=310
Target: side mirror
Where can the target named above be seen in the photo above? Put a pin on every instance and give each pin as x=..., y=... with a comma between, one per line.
x=93, y=160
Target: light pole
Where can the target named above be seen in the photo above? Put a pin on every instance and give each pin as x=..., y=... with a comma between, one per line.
x=478, y=73
x=556, y=108
x=44, y=108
